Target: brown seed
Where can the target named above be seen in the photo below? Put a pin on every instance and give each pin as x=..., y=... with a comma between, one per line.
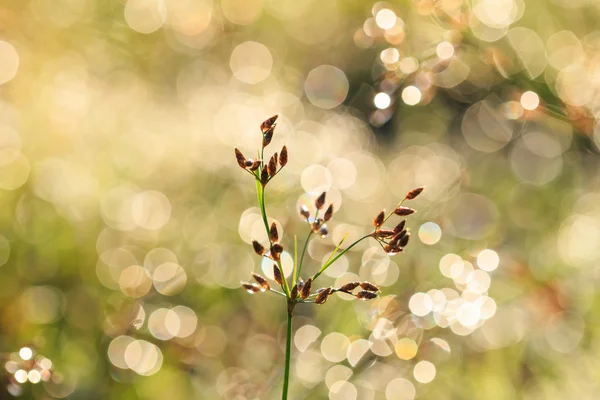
x=255, y=165
x=283, y=156
x=384, y=233
x=277, y=275
x=400, y=226
x=273, y=234
x=323, y=231
x=268, y=123
x=304, y=211
x=378, y=221
x=364, y=295
x=404, y=240
x=320, y=201
x=368, y=286
x=264, y=284
x=328, y=213
x=241, y=160
x=305, y=292
x=264, y=176
x=414, y=193
x=251, y=287
x=397, y=237
x=267, y=138
x=300, y=284
x=323, y=295
x=258, y=248
x=403, y=211
x=348, y=287
x=294, y=292
x=249, y=162
x=272, y=166
x=276, y=251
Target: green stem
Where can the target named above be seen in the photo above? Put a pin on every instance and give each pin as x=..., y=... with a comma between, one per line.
x=328, y=263
x=304, y=252
x=288, y=354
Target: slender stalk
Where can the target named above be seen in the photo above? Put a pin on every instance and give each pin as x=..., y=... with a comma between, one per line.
x=288, y=354
x=304, y=252
x=328, y=263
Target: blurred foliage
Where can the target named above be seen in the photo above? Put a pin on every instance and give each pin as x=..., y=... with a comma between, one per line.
x=125, y=223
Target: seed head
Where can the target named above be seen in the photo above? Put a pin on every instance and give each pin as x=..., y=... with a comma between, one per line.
x=294, y=292
x=249, y=162
x=255, y=165
x=413, y=193
x=268, y=124
x=384, y=233
x=305, y=292
x=403, y=211
x=400, y=226
x=348, y=287
x=404, y=240
x=276, y=251
x=258, y=248
x=241, y=160
x=251, y=287
x=323, y=231
x=328, y=213
x=368, y=286
x=272, y=166
x=264, y=284
x=277, y=275
x=323, y=295
x=365, y=296
x=320, y=201
x=283, y=156
x=378, y=221
x=264, y=176
x=397, y=237
x=273, y=234
x=304, y=211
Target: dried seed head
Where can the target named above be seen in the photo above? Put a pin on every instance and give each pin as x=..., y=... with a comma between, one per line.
x=300, y=284
x=397, y=237
x=384, y=233
x=264, y=176
x=400, y=226
x=273, y=234
x=272, y=166
x=251, y=287
x=294, y=292
x=348, y=287
x=276, y=251
x=241, y=160
x=264, y=284
x=403, y=211
x=277, y=275
x=368, y=286
x=323, y=295
x=249, y=162
x=323, y=231
x=328, y=213
x=414, y=193
x=283, y=156
x=255, y=165
x=305, y=292
x=258, y=248
x=404, y=240
x=304, y=211
x=365, y=296
x=268, y=124
x=378, y=221
x=317, y=224
x=320, y=201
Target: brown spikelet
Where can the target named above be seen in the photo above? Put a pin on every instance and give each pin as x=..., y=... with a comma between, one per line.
x=258, y=248
x=378, y=221
x=368, y=286
x=400, y=226
x=323, y=295
x=277, y=275
x=320, y=201
x=323, y=231
x=384, y=233
x=251, y=287
x=404, y=241
x=365, y=295
x=300, y=284
x=348, y=287
x=294, y=292
x=273, y=234
x=255, y=165
x=268, y=124
x=241, y=160
x=249, y=162
x=328, y=213
x=397, y=237
x=264, y=284
x=305, y=292
x=403, y=211
x=413, y=193
x=276, y=251
x=267, y=138
x=264, y=176
x=272, y=166
x=283, y=156
x=304, y=211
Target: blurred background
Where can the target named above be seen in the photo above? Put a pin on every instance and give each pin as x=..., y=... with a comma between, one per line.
x=125, y=222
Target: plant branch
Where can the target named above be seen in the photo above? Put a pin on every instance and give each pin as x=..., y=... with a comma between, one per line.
x=328, y=263
x=288, y=354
